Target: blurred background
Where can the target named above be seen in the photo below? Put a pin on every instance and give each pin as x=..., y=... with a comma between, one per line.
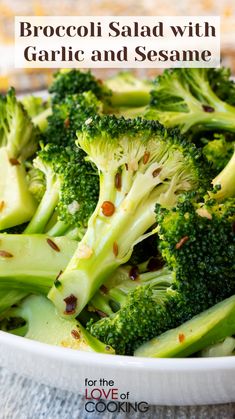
x=36, y=79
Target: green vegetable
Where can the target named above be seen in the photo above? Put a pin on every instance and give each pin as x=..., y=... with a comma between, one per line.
x=18, y=141
x=140, y=163
x=71, y=191
x=187, y=98
x=128, y=90
x=43, y=324
x=30, y=263
x=218, y=151
x=37, y=109
x=202, y=330
x=225, y=181
x=198, y=243
x=224, y=348
x=124, y=89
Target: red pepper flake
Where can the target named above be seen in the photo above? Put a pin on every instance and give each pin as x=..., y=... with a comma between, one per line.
x=2, y=204
x=71, y=304
x=115, y=249
x=4, y=254
x=67, y=123
x=104, y=289
x=181, y=242
x=53, y=245
x=181, y=337
x=75, y=334
x=108, y=208
x=14, y=162
x=101, y=313
x=208, y=108
x=157, y=171
x=118, y=181
x=134, y=273
x=146, y=157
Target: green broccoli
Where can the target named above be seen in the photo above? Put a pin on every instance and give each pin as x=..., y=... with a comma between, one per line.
x=36, y=318
x=140, y=163
x=38, y=109
x=18, y=141
x=69, y=180
x=71, y=192
x=224, y=347
x=207, y=328
x=224, y=182
x=187, y=98
x=218, y=151
x=30, y=263
x=36, y=182
x=10, y=297
x=114, y=292
x=124, y=89
x=68, y=117
x=198, y=243
x=128, y=90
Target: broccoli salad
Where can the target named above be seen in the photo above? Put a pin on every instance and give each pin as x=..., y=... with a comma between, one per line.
x=117, y=214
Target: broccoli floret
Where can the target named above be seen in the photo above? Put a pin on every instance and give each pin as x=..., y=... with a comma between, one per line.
x=71, y=191
x=218, y=151
x=36, y=183
x=68, y=116
x=71, y=181
x=34, y=105
x=36, y=318
x=206, y=328
x=114, y=292
x=188, y=98
x=222, y=84
x=18, y=141
x=198, y=243
x=139, y=163
x=124, y=89
x=38, y=109
x=70, y=82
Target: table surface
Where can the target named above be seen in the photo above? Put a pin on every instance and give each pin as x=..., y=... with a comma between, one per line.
x=22, y=398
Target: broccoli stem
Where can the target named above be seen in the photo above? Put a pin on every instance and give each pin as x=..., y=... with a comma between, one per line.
x=44, y=325
x=41, y=121
x=216, y=120
x=59, y=229
x=30, y=263
x=119, y=285
x=134, y=98
x=226, y=180
x=17, y=204
x=205, y=329
x=9, y=297
x=86, y=276
x=45, y=210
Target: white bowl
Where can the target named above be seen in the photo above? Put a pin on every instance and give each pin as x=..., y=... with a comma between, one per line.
x=156, y=381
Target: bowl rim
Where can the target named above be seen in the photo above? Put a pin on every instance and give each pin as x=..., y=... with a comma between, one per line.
x=113, y=361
